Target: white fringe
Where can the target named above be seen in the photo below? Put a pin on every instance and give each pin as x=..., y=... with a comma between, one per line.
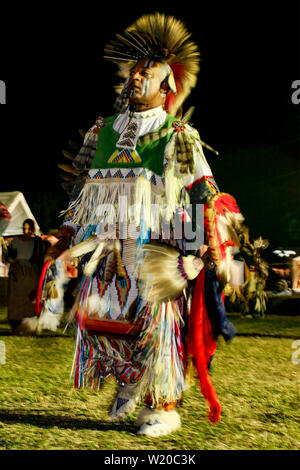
x=173, y=187
x=157, y=346
x=93, y=262
x=100, y=201
x=84, y=247
x=96, y=201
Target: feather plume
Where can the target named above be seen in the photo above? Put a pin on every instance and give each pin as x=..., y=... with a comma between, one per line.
x=53, y=307
x=163, y=39
x=67, y=177
x=68, y=169
x=74, y=145
x=166, y=272
x=118, y=258
x=95, y=258
x=68, y=155
x=84, y=247
x=224, y=224
x=68, y=187
x=51, y=290
x=186, y=118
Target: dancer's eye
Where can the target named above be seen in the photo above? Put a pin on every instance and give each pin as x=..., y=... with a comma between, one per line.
x=146, y=74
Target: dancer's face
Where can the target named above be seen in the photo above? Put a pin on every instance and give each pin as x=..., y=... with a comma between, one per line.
x=147, y=87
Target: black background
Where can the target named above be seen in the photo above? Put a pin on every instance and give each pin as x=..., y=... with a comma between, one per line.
x=57, y=82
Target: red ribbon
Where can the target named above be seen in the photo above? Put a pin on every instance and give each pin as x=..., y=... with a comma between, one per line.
x=38, y=304
x=202, y=346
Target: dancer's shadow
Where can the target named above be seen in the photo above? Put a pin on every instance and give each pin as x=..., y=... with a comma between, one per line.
x=63, y=422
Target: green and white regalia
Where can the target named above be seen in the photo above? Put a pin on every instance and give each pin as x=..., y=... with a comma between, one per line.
x=133, y=188
x=146, y=306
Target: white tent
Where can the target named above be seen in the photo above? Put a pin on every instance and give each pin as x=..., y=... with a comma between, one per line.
x=16, y=204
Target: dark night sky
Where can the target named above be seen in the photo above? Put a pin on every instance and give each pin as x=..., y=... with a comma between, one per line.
x=57, y=82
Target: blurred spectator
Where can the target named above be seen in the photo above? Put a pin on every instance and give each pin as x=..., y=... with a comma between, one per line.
x=25, y=255
x=276, y=274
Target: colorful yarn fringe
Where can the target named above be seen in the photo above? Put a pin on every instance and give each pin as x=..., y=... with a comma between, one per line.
x=97, y=357
x=159, y=351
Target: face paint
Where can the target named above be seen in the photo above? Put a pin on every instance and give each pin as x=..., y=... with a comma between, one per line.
x=146, y=79
x=145, y=87
x=149, y=64
x=167, y=68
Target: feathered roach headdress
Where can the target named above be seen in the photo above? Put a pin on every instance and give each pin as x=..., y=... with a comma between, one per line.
x=163, y=39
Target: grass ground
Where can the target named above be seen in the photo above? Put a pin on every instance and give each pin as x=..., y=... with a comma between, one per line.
x=254, y=376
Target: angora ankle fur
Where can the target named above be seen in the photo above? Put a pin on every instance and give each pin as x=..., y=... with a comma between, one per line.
x=156, y=423
x=120, y=410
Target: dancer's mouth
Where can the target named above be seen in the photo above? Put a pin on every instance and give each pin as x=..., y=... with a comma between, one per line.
x=134, y=88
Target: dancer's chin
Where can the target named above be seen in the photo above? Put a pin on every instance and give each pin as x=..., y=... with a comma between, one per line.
x=139, y=106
